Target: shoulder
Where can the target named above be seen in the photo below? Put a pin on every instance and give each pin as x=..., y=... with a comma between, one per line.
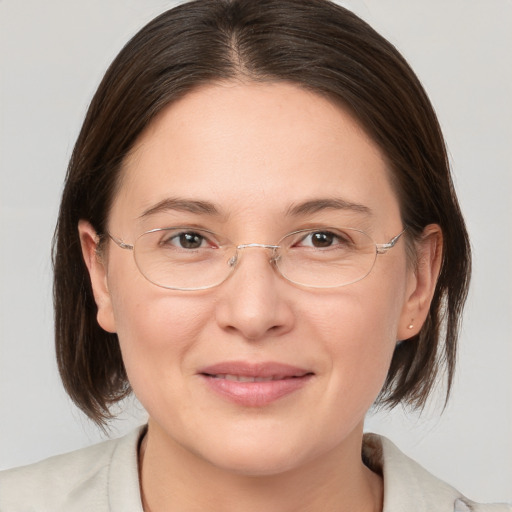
x=86, y=479
x=408, y=486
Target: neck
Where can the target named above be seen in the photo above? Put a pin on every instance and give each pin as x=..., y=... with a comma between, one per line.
x=173, y=479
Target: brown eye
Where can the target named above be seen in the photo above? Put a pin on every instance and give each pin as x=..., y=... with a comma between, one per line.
x=322, y=239
x=184, y=240
x=336, y=240
x=190, y=240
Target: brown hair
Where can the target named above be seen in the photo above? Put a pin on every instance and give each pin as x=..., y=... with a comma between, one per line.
x=316, y=45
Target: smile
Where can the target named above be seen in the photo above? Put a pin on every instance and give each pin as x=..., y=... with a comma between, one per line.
x=254, y=385
x=246, y=378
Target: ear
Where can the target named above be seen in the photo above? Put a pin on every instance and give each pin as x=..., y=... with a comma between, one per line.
x=98, y=273
x=422, y=281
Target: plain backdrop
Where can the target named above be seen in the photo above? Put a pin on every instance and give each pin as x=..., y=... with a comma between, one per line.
x=53, y=55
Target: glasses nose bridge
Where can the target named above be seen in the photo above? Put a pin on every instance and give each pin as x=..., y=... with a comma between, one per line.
x=274, y=248
x=262, y=246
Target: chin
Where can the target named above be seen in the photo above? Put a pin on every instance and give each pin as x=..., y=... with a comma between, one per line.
x=260, y=464
x=260, y=455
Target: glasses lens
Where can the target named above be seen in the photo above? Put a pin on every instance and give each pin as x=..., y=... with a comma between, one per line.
x=326, y=258
x=195, y=259
x=182, y=258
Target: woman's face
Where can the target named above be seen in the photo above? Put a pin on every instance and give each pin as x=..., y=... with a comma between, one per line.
x=255, y=162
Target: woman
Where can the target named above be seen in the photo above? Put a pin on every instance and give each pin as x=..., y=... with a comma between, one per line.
x=258, y=236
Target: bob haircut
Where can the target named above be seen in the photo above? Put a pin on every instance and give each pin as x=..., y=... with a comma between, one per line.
x=316, y=45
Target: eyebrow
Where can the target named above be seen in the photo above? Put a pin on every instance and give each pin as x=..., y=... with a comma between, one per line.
x=317, y=205
x=183, y=205
x=208, y=208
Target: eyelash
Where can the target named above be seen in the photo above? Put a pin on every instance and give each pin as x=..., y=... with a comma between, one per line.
x=180, y=237
x=188, y=238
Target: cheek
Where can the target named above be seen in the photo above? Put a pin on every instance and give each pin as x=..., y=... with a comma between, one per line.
x=150, y=325
x=156, y=329
x=358, y=331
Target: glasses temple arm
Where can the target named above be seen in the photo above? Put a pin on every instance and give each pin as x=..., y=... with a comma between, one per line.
x=120, y=243
x=383, y=248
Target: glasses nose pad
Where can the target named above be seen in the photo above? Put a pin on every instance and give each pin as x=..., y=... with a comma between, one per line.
x=274, y=259
x=233, y=260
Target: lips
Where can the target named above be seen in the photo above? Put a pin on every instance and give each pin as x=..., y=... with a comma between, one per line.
x=246, y=378
x=254, y=385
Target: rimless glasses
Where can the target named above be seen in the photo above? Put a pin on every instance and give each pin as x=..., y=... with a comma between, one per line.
x=188, y=258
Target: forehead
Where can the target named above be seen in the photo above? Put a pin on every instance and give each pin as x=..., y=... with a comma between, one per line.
x=253, y=149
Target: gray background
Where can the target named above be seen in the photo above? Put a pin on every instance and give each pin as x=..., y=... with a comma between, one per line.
x=53, y=54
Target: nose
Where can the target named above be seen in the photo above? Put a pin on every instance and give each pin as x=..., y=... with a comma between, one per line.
x=253, y=302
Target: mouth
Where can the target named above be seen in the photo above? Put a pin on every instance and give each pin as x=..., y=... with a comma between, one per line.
x=254, y=385
x=247, y=378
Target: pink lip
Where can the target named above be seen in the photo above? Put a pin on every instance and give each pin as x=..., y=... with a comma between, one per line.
x=285, y=379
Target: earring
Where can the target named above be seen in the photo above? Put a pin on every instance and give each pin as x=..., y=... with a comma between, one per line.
x=411, y=325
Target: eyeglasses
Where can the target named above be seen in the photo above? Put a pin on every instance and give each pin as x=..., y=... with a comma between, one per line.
x=187, y=258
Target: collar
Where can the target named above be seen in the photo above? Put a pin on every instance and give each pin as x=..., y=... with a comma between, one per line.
x=407, y=485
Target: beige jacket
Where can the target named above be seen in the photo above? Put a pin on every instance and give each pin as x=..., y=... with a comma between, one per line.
x=104, y=478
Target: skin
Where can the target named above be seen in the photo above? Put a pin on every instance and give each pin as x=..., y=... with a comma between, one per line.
x=255, y=151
